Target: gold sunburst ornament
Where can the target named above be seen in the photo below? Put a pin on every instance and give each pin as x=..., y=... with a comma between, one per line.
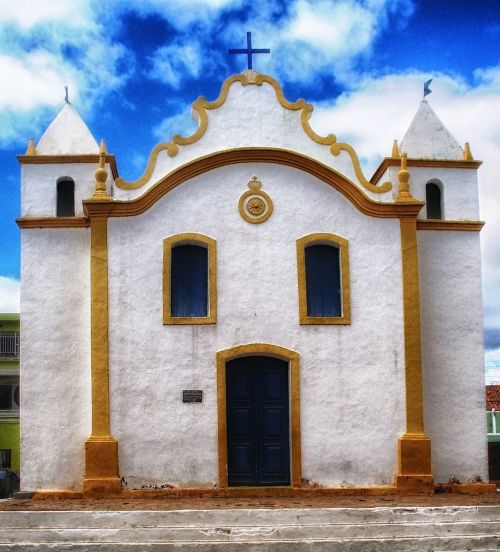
x=255, y=205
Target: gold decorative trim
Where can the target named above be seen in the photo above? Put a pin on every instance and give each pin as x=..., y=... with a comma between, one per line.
x=201, y=105
x=431, y=163
x=195, y=239
x=101, y=449
x=101, y=177
x=414, y=447
x=53, y=222
x=395, y=154
x=412, y=330
x=263, y=204
x=204, y=164
x=467, y=152
x=450, y=225
x=260, y=349
x=31, y=149
x=73, y=158
x=343, y=245
x=404, y=193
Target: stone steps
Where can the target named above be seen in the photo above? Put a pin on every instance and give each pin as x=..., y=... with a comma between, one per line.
x=279, y=530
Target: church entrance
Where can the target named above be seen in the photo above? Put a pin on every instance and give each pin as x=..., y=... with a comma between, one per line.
x=258, y=421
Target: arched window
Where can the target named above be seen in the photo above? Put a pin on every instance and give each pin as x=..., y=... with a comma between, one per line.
x=433, y=201
x=65, y=197
x=189, y=280
x=323, y=271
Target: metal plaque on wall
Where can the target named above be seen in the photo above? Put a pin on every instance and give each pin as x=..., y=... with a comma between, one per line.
x=192, y=396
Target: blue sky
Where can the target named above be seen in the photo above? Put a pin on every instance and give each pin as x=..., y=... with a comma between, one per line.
x=134, y=68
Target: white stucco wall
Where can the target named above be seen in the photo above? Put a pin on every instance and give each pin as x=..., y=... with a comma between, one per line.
x=39, y=186
x=452, y=351
x=459, y=190
x=55, y=357
x=352, y=377
x=252, y=117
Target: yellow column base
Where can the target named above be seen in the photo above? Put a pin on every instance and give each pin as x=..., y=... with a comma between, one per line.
x=414, y=464
x=102, y=476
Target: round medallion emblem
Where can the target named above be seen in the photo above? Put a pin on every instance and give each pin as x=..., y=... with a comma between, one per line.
x=255, y=206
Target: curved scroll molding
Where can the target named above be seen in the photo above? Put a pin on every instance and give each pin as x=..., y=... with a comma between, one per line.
x=288, y=158
x=201, y=105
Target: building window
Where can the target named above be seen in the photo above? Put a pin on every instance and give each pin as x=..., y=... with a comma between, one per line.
x=65, y=197
x=323, y=272
x=189, y=280
x=5, y=397
x=5, y=458
x=433, y=200
x=9, y=394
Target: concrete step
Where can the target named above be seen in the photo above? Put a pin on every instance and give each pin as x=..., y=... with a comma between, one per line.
x=245, y=516
x=315, y=529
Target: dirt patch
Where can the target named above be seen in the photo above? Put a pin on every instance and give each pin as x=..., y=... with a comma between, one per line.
x=222, y=503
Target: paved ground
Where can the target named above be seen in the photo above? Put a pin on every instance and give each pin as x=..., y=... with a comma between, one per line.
x=216, y=503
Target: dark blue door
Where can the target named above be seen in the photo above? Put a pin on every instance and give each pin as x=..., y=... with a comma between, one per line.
x=258, y=438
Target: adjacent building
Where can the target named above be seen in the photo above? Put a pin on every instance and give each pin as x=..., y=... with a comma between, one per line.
x=493, y=425
x=9, y=391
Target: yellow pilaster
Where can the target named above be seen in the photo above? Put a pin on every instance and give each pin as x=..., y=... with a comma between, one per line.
x=101, y=449
x=414, y=447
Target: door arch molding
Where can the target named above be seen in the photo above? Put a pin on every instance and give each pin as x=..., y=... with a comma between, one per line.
x=260, y=349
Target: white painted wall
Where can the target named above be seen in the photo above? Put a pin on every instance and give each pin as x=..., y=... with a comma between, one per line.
x=55, y=357
x=39, y=186
x=452, y=353
x=459, y=190
x=352, y=377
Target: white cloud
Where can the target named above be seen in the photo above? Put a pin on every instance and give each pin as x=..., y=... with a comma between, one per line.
x=492, y=361
x=48, y=44
x=9, y=294
x=312, y=22
x=181, y=121
x=26, y=13
x=320, y=37
x=33, y=81
x=181, y=14
x=308, y=38
x=171, y=64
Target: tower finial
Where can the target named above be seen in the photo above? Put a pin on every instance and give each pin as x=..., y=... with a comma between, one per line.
x=467, y=153
x=101, y=176
x=66, y=96
x=31, y=149
x=395, y=150
x=404, y=178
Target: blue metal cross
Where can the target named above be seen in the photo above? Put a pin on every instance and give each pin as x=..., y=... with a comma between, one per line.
x=249, y=50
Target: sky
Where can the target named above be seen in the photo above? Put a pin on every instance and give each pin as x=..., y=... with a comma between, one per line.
x=134, y=67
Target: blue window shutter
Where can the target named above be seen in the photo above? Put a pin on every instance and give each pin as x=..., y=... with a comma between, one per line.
x=189, y=281
x=323, y=280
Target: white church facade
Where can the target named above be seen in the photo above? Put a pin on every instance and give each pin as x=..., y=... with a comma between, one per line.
x=252, y=311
